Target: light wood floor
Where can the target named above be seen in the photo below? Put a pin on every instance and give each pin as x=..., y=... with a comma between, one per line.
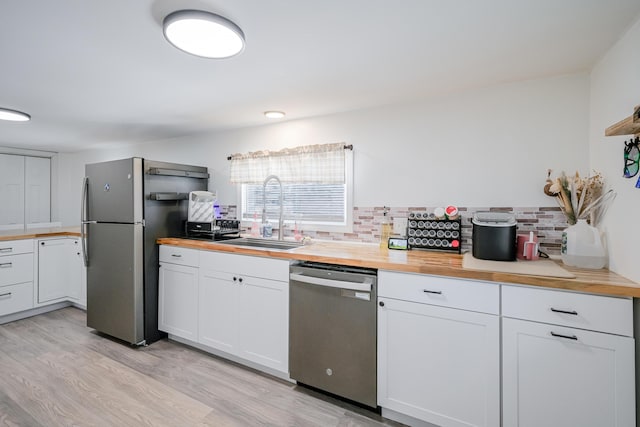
x=54, y=371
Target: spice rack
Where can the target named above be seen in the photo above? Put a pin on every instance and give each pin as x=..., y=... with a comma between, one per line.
x=426, y=232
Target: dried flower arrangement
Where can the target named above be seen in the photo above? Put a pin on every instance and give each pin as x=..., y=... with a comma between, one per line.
x=580, y=198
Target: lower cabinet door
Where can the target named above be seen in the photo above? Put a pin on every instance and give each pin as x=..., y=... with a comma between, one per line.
x=263, y=322
x=178, y=300
x=439, y=364
x=564, y=377
x=76, y=266
x=53, y=281
x=218, y=310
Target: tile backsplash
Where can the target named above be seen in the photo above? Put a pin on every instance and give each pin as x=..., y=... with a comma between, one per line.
x=546, y=222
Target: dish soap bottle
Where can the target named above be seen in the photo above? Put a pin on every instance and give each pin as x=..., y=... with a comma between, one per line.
x=385, y=229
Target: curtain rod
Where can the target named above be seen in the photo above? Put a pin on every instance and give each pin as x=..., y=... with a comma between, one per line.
x=346, y=147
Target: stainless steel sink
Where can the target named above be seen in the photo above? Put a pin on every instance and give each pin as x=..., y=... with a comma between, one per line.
x=262, y=243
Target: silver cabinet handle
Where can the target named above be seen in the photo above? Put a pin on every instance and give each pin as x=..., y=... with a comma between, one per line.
x=6, y=250
x=5, y=296
x=568, y=337
x=572, y=312
x=6, y=265
x=341, y=284
x=427, y=291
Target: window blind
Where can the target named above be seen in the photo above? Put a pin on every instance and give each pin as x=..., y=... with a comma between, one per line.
x=304, y=203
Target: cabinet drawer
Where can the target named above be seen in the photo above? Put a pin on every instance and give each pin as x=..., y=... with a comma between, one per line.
x=593, y=312
x=14, y=247
x=181, y=256
x=246, y=265
x=16, y=298
x=435, y=290
x=16, y=269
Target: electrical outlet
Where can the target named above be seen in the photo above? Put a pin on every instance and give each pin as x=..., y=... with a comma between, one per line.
x=400, y=226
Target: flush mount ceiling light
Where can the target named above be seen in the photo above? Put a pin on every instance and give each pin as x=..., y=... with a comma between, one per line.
x=14, y=116
x=203, y=34
x=274, y=114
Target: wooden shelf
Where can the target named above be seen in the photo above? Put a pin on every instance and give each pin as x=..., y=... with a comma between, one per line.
x=628, y=126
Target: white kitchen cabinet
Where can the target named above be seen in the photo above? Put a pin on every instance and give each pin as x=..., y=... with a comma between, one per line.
x=263, y=322
x=16, y=276
x=218, y=310
x=11, y=190
x=556, y=374
x=178, y=292
x=53, y=269
x=25, y=190
x=60, y=271
x=245, y=312
x=437, y=363
x=76, y=290
x=37, y=180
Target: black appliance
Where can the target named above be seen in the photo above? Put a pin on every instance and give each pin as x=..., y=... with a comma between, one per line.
x=494, y=236
x=218, y=229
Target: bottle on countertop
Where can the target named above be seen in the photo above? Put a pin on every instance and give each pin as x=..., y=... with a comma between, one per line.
x=385, y=228
x=267, y=230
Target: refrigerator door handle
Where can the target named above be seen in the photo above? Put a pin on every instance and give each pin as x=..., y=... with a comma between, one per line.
x=83, y=221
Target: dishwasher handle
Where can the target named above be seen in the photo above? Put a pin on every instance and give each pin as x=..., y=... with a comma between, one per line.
x=341, y=284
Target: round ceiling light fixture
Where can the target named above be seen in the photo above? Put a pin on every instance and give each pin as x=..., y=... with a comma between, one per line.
x=13, y=115
x=274, y=114
x=203, y=34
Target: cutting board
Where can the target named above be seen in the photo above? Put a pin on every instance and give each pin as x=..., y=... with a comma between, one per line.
x=546, y=268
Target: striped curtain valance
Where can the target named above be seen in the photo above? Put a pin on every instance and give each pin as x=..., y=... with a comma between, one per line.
x=322, y=164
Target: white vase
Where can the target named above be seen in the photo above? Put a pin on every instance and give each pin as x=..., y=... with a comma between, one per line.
x=582, y=246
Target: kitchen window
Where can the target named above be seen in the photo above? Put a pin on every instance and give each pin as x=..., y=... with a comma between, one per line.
x=316, y=181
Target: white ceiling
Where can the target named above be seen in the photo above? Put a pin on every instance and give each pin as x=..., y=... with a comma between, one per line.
x=93, y=73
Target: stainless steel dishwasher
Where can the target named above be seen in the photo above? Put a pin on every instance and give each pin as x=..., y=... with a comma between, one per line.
x=333, y=329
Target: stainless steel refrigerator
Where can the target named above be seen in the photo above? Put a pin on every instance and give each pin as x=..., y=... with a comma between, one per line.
x=126, y=205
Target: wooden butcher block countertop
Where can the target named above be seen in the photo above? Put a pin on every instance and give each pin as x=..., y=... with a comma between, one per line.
x=600, y=281
x=37, y=233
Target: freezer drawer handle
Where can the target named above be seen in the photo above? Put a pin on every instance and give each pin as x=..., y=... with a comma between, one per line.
x=427, y=291
x=569, y=337
x=5, y=250
x=572, y=312
x=176, y=255
x=341, y=284
x=6, y=265
x=5, y=296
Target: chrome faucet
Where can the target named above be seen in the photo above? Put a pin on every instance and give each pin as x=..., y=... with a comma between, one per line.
x=264, y=204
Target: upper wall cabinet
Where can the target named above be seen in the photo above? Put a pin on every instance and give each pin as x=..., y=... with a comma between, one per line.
x=37, y=199
x=11, y=190
x=25, y=190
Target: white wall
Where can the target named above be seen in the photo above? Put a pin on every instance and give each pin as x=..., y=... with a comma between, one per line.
x=488, y=147
x=615, y=90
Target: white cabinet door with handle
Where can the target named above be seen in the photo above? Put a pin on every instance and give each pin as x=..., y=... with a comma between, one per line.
x=556, y=376
x=53, y=269
x=178, y=300
x=439, y=364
